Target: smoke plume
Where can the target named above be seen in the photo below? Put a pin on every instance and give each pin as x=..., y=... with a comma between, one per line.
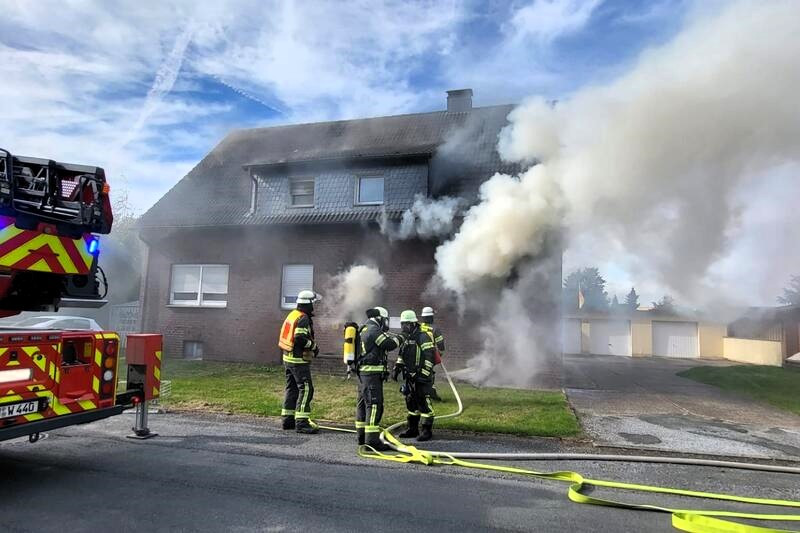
x=351, y=292
x=427, y=218
x=651, y=166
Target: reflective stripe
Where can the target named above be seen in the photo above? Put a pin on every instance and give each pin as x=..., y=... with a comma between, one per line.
x=380, y=338
x=439, y=339
x=304, y=402
x=413, y=413
x=425, y=372
x=371, y=368
x=428, y=363
x=302, y=416
x=287, y=412
x=426, y=346
x=372, y=429
x=373, y=414
x=294, y=360
x=360, y=425
x=301, y=330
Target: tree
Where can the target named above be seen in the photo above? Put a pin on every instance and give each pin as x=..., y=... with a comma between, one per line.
x=592, y=286
x=615, y=302
x=632, y=300
x=665, y=306
x=791, y=294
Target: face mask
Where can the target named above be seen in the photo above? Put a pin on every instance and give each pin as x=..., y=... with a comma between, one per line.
x=408, y=327
x=385, y=324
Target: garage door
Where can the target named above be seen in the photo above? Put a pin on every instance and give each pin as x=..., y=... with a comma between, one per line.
x=675, y=339
x=572, y=336
x=610, y=337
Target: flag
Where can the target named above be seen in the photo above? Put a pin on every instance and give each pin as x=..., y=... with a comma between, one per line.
x=581, y=299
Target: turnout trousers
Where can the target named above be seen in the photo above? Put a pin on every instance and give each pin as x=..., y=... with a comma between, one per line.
x=369, y=407
x=419, y=405
x=299, y=391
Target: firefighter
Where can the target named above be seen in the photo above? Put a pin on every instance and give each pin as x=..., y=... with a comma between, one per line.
x=298, y=347
x=372, y=370
x=426, y=324
x=415, y=361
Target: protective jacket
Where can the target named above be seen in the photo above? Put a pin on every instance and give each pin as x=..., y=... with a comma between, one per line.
x=297, y=338
x=374, y=345
x=438, y=338
x=417, y=356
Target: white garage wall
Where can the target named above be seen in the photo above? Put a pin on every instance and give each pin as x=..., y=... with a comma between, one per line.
x=675, y=339
x=610, y=337
x=572, y=336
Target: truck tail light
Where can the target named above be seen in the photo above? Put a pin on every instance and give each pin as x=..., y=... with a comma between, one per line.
x=109, y=368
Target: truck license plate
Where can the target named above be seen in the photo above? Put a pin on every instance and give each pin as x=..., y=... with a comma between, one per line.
x=19, y=409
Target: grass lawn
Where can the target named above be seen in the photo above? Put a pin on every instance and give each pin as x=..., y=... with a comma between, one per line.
x=774, y=385
x=258, y=390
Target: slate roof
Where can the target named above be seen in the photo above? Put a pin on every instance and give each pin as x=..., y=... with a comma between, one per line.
x=461, y=148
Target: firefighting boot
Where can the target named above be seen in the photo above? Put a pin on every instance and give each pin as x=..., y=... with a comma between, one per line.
x=288, y=422
x=413, y=427
x=360, y=432
x=374, y=442
x=425, y=431
x=305, y=427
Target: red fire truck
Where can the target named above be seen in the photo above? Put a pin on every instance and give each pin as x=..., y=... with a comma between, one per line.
x=51, y=214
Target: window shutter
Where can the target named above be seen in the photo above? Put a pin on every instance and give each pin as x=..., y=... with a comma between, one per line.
x=295, y=279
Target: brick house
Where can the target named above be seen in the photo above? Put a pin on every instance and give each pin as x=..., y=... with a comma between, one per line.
x=272, y=210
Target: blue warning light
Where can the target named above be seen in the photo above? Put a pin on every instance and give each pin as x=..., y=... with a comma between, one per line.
x=94, y=246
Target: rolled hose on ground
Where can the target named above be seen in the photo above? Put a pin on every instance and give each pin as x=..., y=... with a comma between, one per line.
x=692, y=520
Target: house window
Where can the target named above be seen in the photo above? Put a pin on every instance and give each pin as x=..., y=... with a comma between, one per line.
x=295, y=279
x=199, y=285
x=302, y=192
x=370, y=190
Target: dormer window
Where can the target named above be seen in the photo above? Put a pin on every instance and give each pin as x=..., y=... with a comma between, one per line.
x=302, y=191
x=369, y=190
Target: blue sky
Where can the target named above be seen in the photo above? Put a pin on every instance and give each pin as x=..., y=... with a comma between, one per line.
x=146, y=90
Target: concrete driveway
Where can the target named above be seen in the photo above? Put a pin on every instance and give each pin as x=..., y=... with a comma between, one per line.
x=642, y=403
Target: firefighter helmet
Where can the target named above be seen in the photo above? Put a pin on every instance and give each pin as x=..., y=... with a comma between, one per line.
x=382, y=312
x=307, y=297
x=408, y=316
x=427, y=311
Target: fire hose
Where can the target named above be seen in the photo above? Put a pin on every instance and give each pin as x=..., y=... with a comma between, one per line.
x=691, y=520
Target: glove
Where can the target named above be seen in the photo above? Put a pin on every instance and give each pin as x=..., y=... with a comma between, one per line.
x=316, y=350
x=396, y=372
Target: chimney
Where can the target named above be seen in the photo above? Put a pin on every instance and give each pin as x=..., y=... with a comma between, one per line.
x=459, y=101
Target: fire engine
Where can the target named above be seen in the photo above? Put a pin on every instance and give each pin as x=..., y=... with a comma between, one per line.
x=51, y=216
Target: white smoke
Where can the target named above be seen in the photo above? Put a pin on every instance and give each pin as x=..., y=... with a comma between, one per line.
x=649, y=165
x=351, y=292
x=427, y=218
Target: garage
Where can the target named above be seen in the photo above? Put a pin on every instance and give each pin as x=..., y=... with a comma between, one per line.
x=675, y=339
x=572, y=336
x=610, y=337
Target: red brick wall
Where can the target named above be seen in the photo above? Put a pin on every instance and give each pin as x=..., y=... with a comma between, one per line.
x=247, y=329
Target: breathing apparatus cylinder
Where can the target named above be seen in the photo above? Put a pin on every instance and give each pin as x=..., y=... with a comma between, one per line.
x=349, y=349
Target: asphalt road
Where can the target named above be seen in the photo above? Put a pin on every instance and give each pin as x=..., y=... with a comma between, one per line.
x=218, y=473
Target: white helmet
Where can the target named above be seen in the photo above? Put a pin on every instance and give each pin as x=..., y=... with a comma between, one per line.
x=408, y=316
x=307, y=297
x=382, y=312
x=427, y=311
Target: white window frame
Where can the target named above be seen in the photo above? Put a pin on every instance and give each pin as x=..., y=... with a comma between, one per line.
x=358, y=189
x=291, y=305
x=199, y=301
x=313, y=181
